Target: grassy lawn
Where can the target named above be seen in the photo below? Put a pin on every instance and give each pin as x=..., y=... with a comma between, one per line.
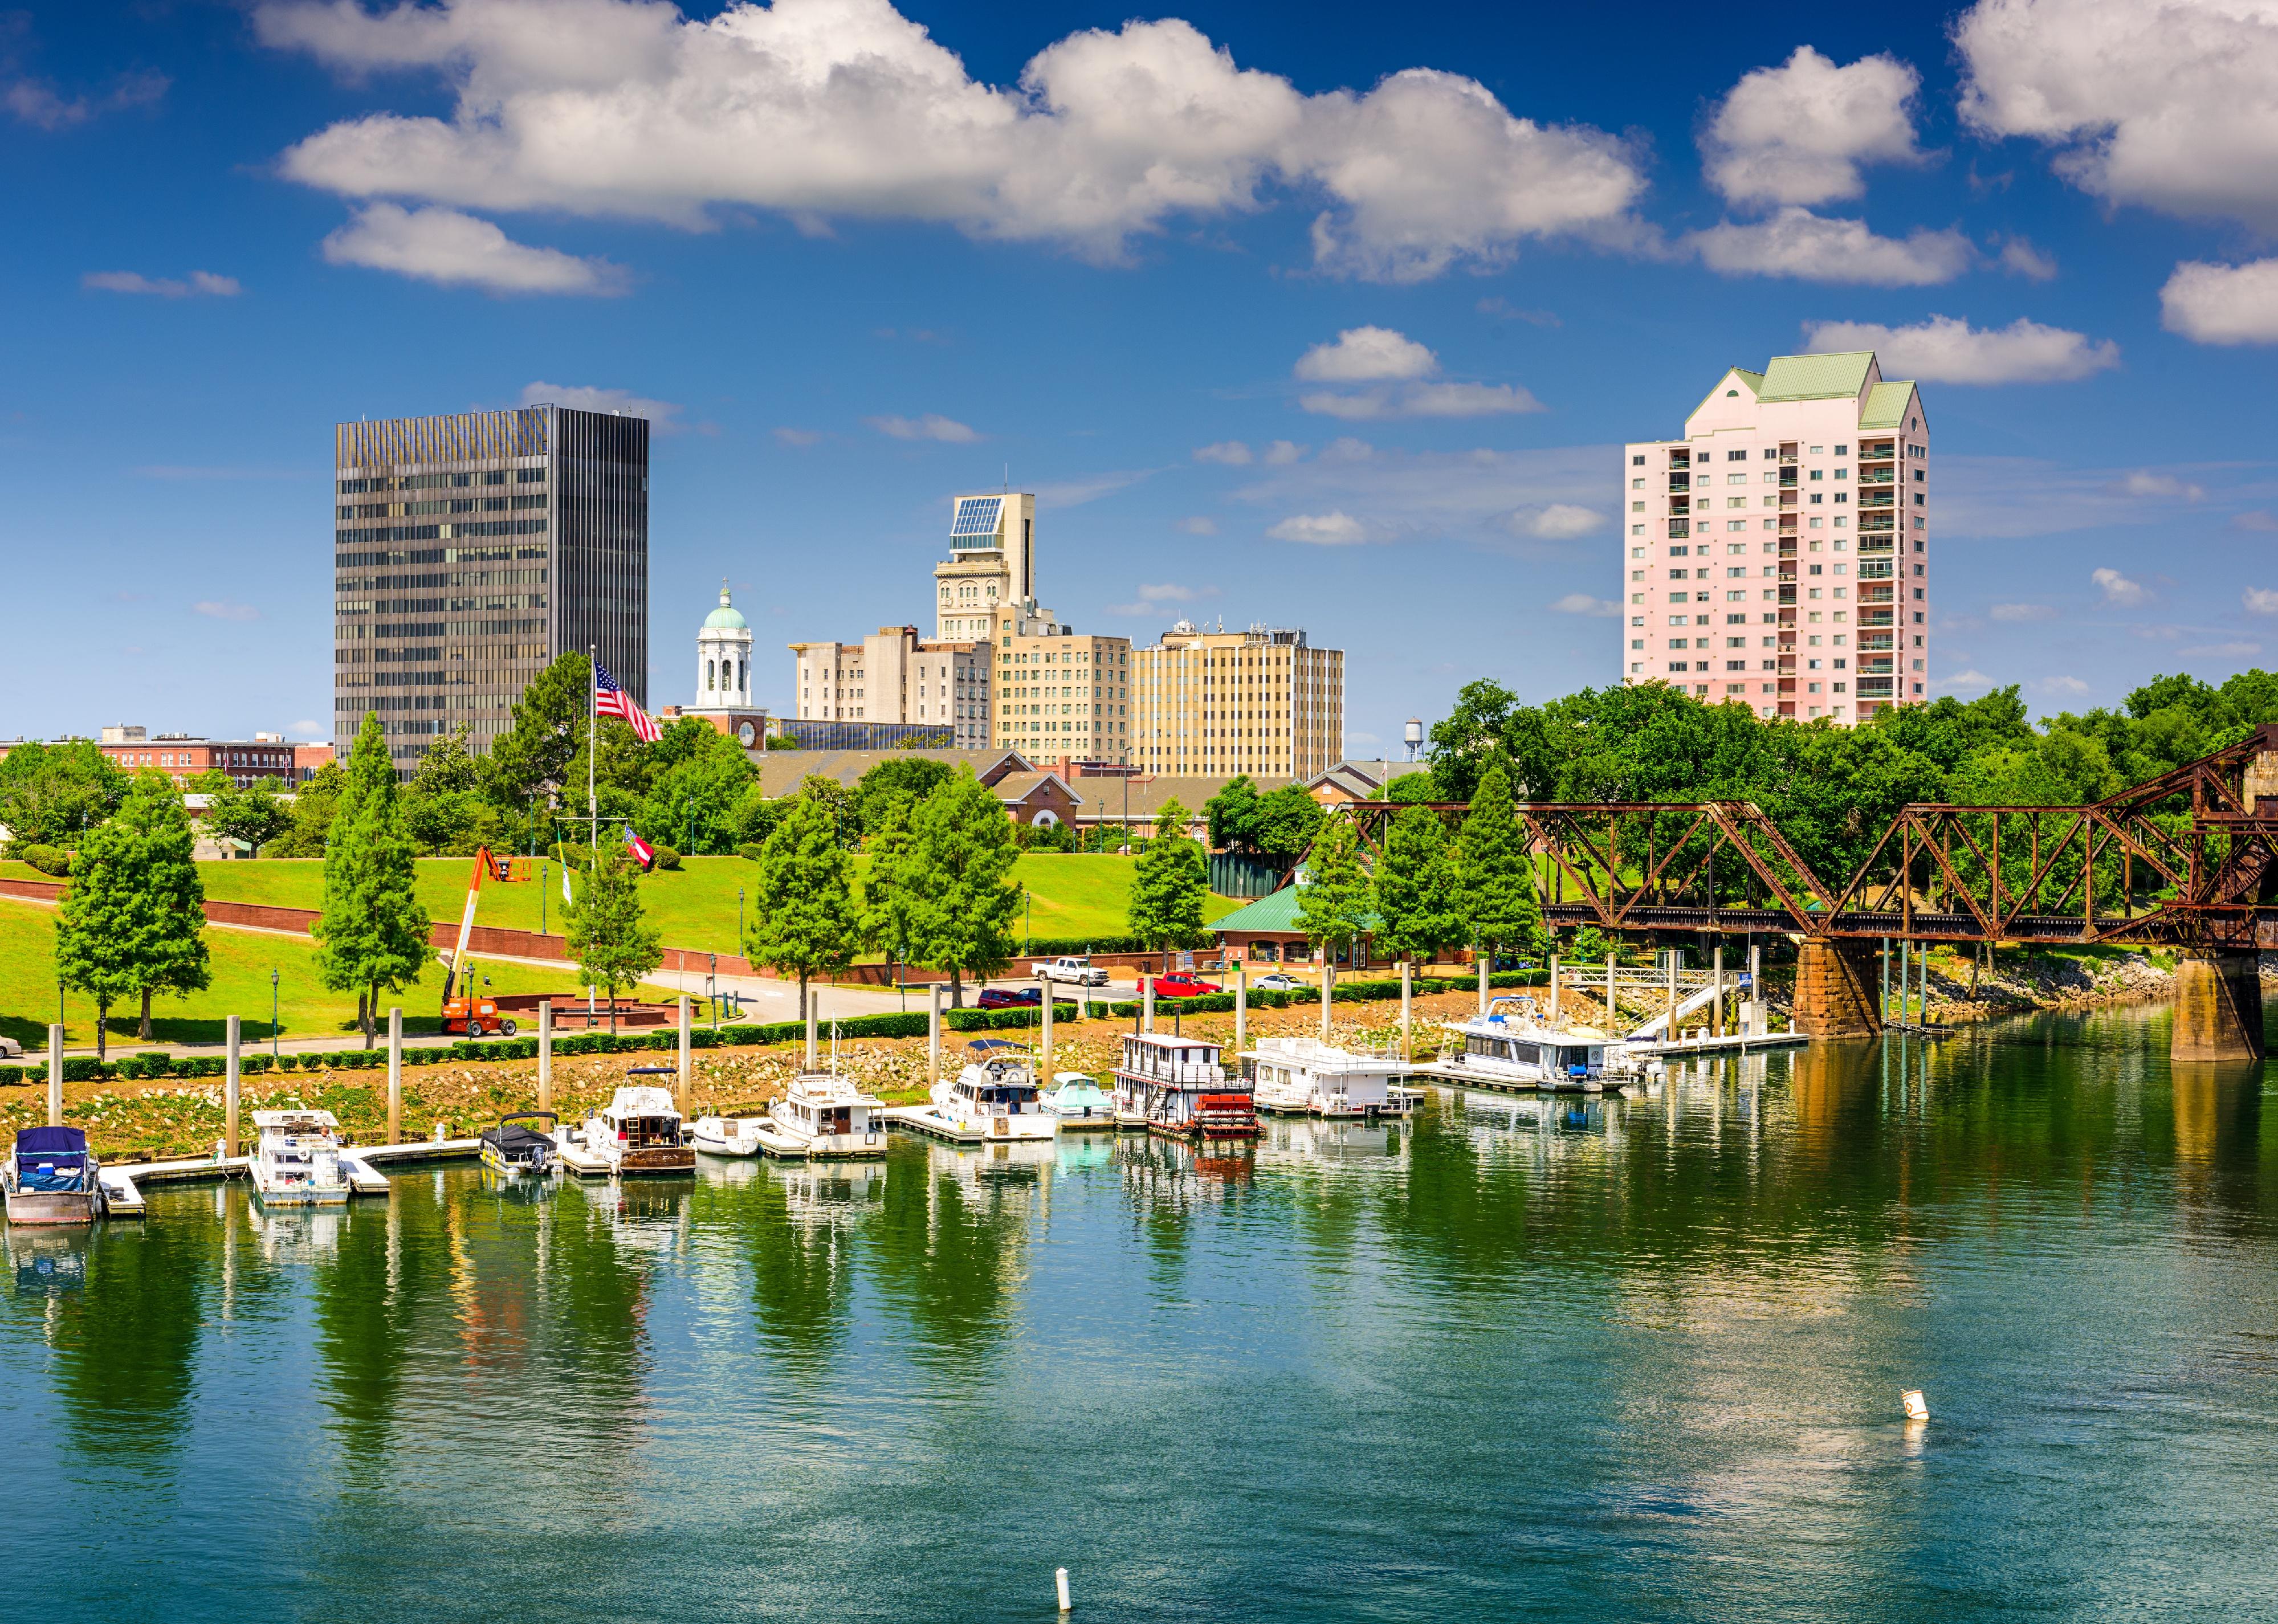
x=241, y=962
x=695, y=907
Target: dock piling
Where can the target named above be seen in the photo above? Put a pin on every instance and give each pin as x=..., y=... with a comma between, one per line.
x=395, y=1075
x=546, y=1053
x=56, y=1073
x=812, y=1001
x=1059, y=1582
x=1328, y=989
x=1044, y=1035
x=1610, y=1017
x=933, y=1034
x=1717, y=1008
x=1484, y=958
x=1407, y=1012
x=1553, y=990
x=681, y=1078
x=229, y=1092
x=1147, y=1003
x=1240, y=1005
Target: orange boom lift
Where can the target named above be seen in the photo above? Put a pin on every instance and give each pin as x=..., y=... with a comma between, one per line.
x=477, y=1016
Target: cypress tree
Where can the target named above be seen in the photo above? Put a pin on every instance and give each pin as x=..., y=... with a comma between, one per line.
x=1333, y=906
x=1493, y=872
x=607, y=936
x=804, y=921
x=961, y=867
x=1415, y=891
x=173, y=955
x=1169, y=883
x=890, y=894
x=101, y=922
x=373, y=931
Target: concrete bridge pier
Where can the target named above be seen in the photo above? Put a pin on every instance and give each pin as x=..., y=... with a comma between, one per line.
x=1835, y=989
x=2218, y=1007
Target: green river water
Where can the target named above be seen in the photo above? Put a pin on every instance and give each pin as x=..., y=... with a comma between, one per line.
x=1639, y=1360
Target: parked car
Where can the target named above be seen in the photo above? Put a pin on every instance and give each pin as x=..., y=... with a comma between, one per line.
x=1277, y=982
x=10, y=1049
x=1075, y=972
x=1181, y=985
x=1011, y=997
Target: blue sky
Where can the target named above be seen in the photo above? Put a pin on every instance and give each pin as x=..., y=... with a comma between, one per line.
x=860, y=258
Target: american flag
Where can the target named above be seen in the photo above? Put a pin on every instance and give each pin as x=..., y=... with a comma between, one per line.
x=611, y=700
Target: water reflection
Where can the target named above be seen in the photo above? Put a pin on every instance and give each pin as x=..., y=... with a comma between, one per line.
x=948, y=1249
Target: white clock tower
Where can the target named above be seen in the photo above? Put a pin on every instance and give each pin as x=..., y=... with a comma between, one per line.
x=724, y=660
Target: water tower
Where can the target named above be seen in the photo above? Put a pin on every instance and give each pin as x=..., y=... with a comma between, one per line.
x=1414, y=734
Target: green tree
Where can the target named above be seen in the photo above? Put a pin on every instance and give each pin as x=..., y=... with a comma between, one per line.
x=255, y=815
x=51, y=795
x=694, y=798
x=908, y=778
x=1495, y=876
x=962, y=870
x=132, y=921
x=372, y=932
x=1412, y=787
x=804, y=921
x=315, y=804
x=1416, y=897
x=1169, y=884
x=530, y=763
x=1287, y=822
x=1334, y=898
x=1233, y=814
x=891, y=891
x=444, y=812
x=607, y=937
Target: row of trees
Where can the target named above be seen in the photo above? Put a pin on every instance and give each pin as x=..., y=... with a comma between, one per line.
x=939, y=891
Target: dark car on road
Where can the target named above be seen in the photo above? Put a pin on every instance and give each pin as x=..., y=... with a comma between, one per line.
x=1011, y=998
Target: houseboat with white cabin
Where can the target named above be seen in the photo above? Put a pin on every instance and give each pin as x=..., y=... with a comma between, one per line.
x=994, y=1097
x=296, y=1160
x=1178, y=1087
x=1510, y=1047
x=1304, y=1077
x=638, y=1133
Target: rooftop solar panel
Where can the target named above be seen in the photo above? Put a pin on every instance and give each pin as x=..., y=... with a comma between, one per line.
x=976, y=515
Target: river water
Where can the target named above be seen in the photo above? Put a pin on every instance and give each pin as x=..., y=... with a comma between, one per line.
x=1639, y=1360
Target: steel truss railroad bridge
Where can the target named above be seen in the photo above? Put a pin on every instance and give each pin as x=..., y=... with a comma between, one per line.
x=2189, y=859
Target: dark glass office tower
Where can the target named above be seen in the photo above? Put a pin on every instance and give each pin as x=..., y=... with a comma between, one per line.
x=469, y=551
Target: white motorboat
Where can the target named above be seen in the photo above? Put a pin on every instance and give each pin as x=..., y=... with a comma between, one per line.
x=827, y=1115
x=637, y=1133
x=994, y=1097
x=52, y=1177
x=296, y=1160
x=1509, y=1048
x=1304, y=1077
x=1077, y=1102
x=728, y=1136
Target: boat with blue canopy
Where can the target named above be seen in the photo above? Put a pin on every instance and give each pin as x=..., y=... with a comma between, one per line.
x=52, y=1177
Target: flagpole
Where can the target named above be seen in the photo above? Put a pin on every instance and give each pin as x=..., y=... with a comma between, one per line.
x=593, y=744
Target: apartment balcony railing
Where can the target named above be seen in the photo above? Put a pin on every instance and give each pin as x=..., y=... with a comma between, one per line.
x=1680, y=482
x=1679, y=528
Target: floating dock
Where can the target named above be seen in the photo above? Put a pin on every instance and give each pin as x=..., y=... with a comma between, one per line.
x=123, y=1182
x=1729, y=1044
x=926, y=1120
x=1460, y=1077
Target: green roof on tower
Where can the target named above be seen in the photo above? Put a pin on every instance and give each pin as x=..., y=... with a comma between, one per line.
x=726, y=617
x=1816, y=377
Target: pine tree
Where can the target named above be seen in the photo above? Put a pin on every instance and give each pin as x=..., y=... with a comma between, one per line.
x=607, y=936
x=1416, y=892
x=1333, y=905
x=960, y=868
x=173, y=959
x=373, y=931
x=101, y=921
x=890, y=891
x=804, y=921
x=1494, y=876
x=1168, y=885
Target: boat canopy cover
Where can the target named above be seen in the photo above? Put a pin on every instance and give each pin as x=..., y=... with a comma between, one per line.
x=50, y=1141
x=518, y=1143
x=990, y=1044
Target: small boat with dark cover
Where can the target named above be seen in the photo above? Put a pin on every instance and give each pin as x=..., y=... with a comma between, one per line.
x=52, y=1177
x=523, y=1142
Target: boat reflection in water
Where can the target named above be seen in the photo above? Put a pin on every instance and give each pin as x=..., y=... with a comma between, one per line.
x=296, y=1234
x=1313, y=1142
x=1492, y=1118
x=830, y=1191
x=1170, y=1176
x=48, y=1258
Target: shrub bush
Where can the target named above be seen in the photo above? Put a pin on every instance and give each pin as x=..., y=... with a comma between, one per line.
x=1003, y=1020
x=48, y=860
x=252, y=1065
x=749, y=850
x=666, y=857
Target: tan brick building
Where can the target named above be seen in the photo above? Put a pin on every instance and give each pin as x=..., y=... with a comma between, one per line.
x=1265, y=702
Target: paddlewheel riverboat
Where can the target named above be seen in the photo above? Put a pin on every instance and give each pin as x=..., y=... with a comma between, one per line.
x=1178, y=1087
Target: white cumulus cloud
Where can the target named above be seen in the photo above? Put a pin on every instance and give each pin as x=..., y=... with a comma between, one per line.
x=932, y=426
x=458, y=250
x=1232, y=454
x=2119, y=589
x=1281, y=454
x=1321, y=530
x=2014, y=612
x=1151, y=597
x=1366, y=356
x=1582, y=603
x=2173, y=106
x=818, y=108
x=1200, y=524
x=2142, y=484
x=2259, y=601
x=1797, y=134
x=2222, y=304
x=1561, y=522
x=198, y=282
x=221, y=609
x=1943, y=350
x=1795, y=242
x=583, y=398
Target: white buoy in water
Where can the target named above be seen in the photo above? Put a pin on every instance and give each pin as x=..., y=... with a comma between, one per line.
x=1917, y=1410
x=1059, y=1579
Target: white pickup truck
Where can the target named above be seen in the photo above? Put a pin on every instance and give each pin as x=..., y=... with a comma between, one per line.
x=1075, y=972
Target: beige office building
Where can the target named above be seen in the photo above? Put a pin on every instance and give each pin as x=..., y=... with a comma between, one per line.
x=1263, y=702
x=894, y=676
x=991, y=566
x=1060, y=696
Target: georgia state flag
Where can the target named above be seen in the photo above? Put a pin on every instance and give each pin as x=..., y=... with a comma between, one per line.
x=643, y=852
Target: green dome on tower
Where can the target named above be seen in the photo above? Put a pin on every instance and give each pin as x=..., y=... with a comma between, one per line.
x=725, y=618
